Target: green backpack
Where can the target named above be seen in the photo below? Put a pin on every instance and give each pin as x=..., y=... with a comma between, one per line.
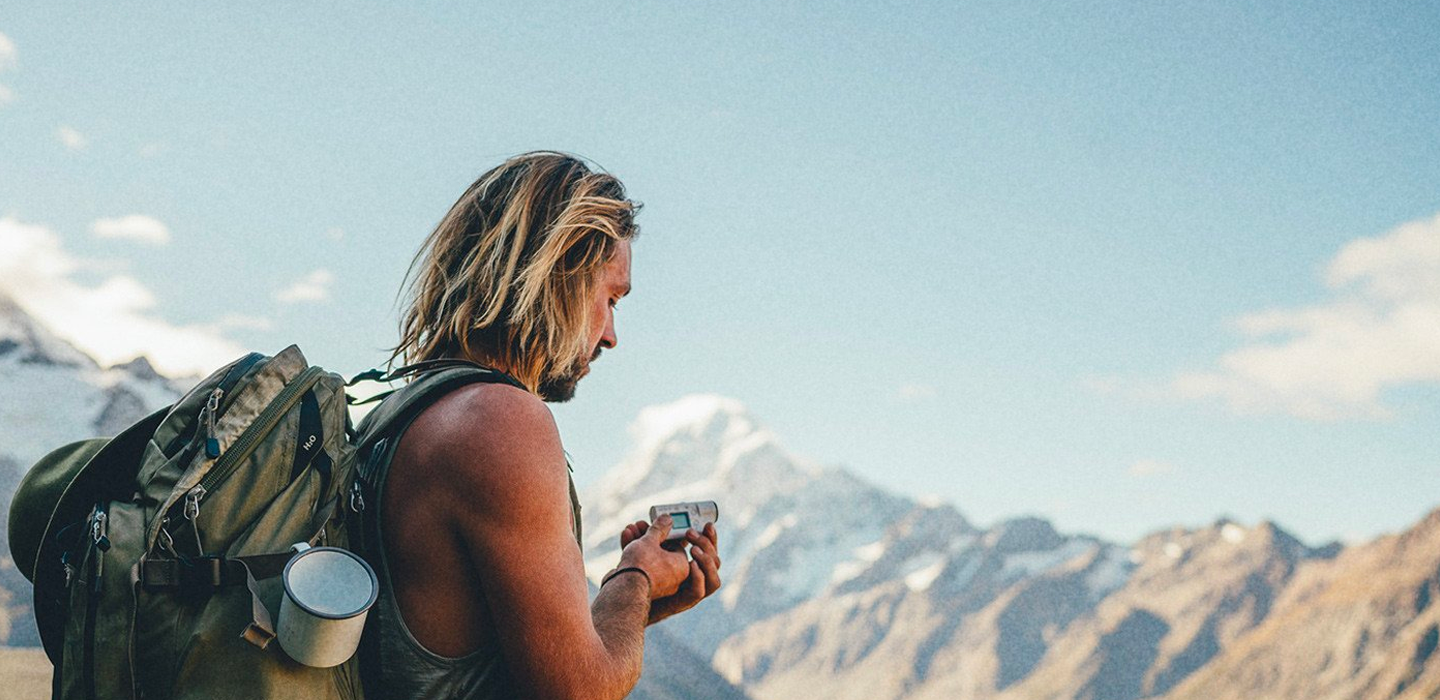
x=156, y=555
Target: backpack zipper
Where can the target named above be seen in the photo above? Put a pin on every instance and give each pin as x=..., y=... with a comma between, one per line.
x=212, y=407
x=250, y=439
x=192, y=502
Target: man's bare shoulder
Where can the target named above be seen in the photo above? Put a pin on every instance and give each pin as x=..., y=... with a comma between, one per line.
x=483, y=436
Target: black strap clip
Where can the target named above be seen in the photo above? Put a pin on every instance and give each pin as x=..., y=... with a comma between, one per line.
x=202, y=574
x=189, y=575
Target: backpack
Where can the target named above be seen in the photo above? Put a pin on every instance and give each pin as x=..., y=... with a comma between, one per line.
x=155, y=555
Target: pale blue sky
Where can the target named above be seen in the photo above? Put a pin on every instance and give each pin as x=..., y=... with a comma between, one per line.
x=965, y=250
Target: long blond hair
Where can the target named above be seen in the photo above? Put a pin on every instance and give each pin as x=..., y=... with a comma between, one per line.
x=507, y=276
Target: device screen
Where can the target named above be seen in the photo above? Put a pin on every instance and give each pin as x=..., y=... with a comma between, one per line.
x=682, y=520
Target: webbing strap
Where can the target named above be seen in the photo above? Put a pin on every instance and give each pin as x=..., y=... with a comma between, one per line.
x=352, y=401
x=216, y=571
x=261, y=629
x=208, y=572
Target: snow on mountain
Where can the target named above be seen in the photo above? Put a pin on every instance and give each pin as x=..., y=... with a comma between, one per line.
x=790, y=529
x=23, y=340
x=984, y=599
x=55, y=394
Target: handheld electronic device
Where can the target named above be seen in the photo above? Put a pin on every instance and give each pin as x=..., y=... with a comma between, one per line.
x=691, y=515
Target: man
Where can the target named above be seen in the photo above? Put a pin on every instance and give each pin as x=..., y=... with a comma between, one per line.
x=484, y=592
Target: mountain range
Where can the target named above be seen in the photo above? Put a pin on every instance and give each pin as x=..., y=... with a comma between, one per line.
x=835, y=587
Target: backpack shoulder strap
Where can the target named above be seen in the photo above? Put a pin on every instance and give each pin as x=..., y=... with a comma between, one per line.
x=404, y=404
x=376, y=436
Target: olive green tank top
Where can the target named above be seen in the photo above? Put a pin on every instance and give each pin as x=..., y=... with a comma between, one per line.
x=407, y=670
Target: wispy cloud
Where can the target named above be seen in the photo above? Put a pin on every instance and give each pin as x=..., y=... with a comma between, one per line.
x=114, y=320
x=71, y=138
x=313, y=287
x=8, y=60
x=8, y=53
x=1333, y=361
x=135, y=227
x=1146, y=468
x=335, y=233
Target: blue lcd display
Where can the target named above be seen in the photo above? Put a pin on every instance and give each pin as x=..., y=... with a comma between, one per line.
x=682, y=521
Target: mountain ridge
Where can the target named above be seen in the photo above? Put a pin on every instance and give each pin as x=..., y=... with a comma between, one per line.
x=928, y=605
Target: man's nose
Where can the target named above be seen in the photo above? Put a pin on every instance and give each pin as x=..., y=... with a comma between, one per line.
x=608, y=339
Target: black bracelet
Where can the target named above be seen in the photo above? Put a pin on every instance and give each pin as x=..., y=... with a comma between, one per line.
x=617, y=572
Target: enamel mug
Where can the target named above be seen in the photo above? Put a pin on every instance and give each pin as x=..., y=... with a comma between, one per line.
x=328, y=592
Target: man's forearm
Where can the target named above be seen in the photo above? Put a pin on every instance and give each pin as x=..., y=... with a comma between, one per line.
x=620, y=611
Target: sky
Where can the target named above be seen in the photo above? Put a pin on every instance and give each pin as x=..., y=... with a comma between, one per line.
x=1121, y=265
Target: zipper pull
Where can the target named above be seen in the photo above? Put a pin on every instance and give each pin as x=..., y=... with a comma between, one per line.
x=99, y=529
x=212, y=407
x=357, y=499
x=192, y=502
x=69, y=569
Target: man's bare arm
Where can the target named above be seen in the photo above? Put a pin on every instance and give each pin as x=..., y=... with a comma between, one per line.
x=509, y=510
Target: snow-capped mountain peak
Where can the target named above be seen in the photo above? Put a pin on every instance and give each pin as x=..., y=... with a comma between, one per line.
x=25, y=341
x=696, y=415
x=701, y=441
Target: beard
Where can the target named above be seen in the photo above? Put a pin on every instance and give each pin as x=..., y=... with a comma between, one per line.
x=559, y=386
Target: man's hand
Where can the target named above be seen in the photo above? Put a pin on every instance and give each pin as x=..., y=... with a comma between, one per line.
x=703, y=577
x=667, y=569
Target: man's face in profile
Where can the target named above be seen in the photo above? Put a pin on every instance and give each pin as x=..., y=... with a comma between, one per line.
x=614, y=284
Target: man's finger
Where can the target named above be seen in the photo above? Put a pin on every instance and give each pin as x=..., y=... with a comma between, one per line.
x=661, y=529
x=694, y=589
x=703, y=543
x=632, y=532
x=709, y=564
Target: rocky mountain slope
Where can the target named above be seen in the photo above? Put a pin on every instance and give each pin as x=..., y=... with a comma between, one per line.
x=1363, y=626
x=836, y=588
